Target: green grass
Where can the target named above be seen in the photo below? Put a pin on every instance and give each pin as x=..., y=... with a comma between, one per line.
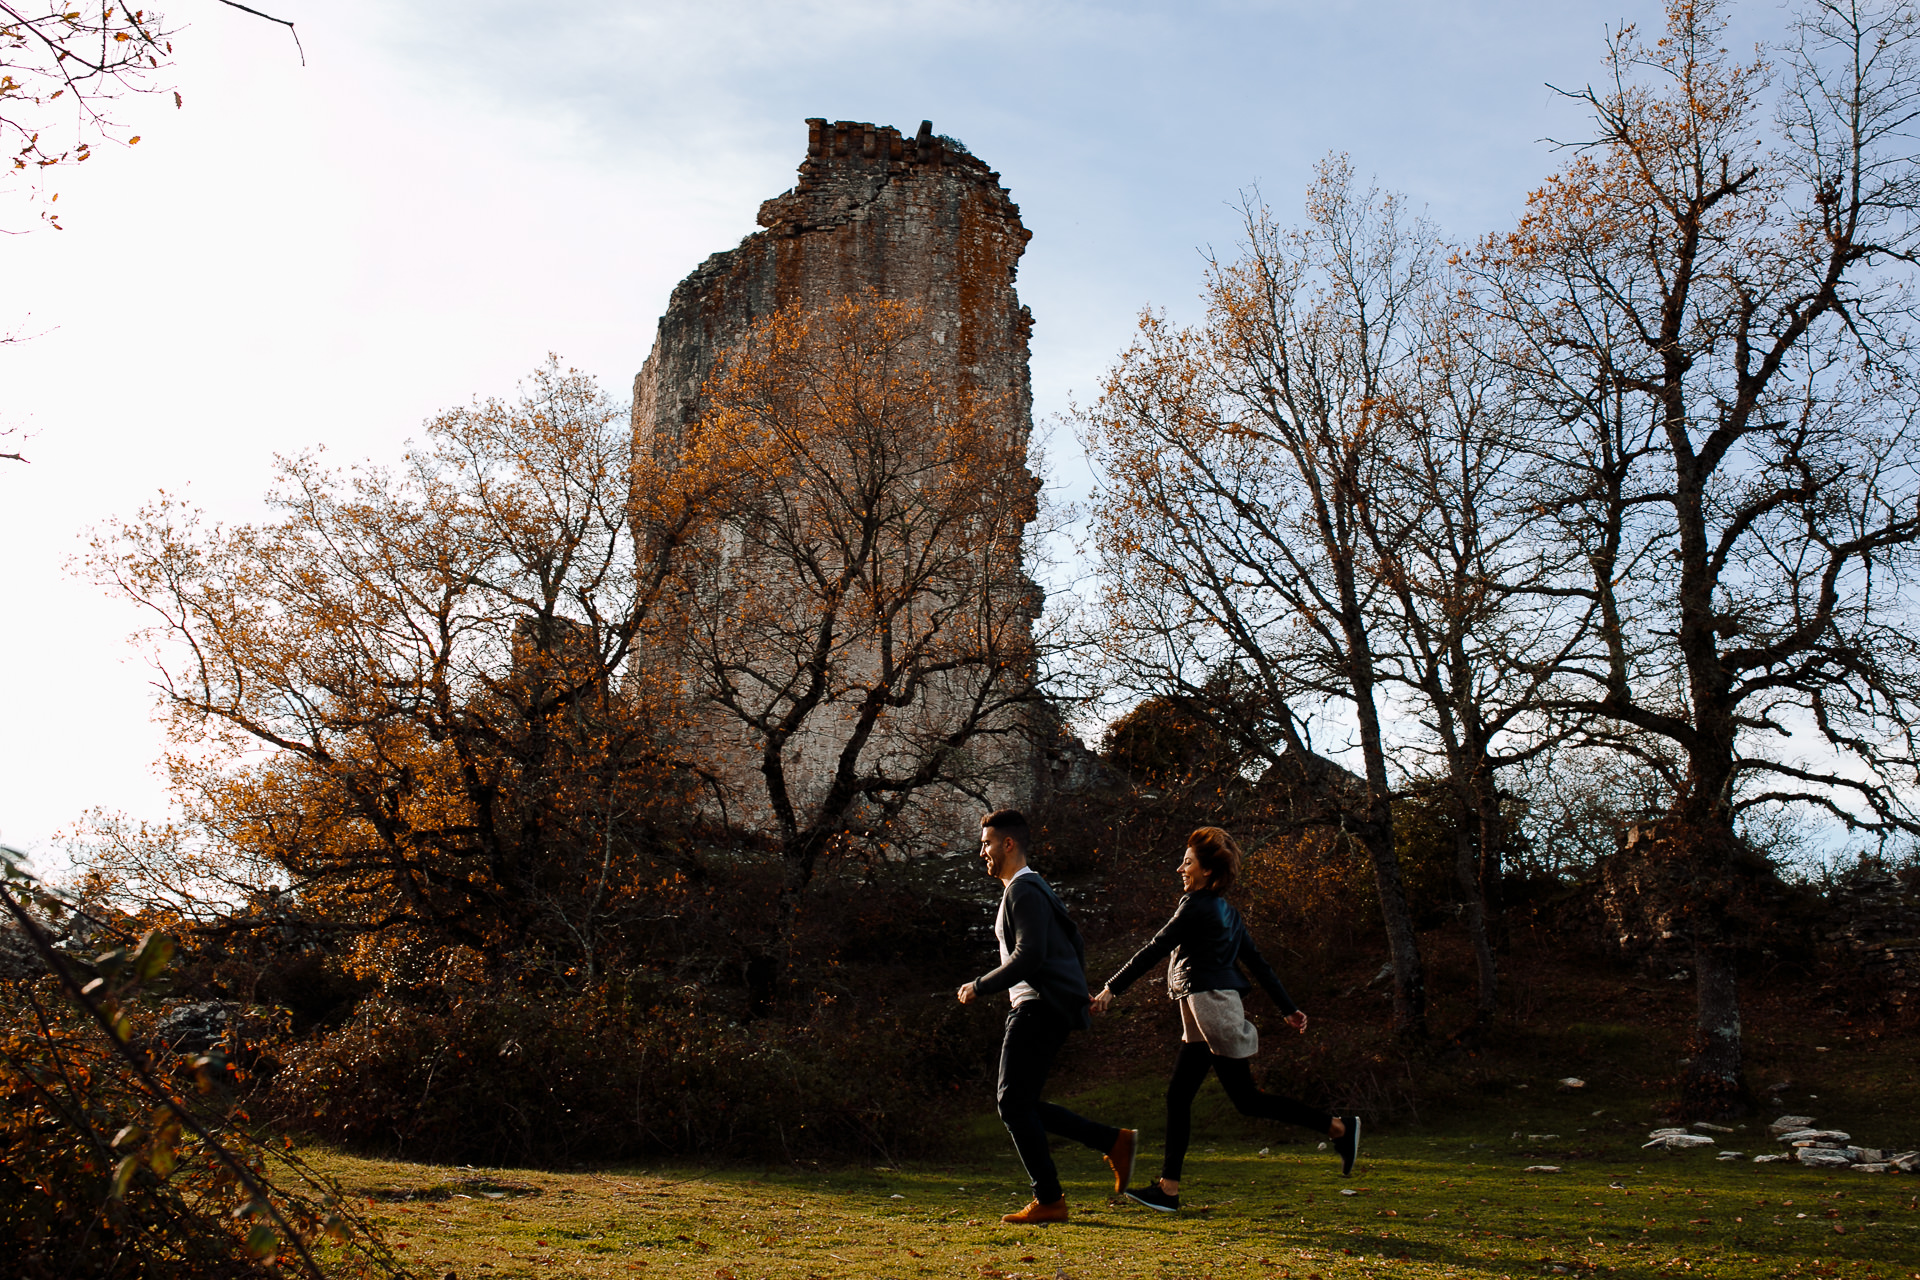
x=1441, y=1195
x=1447, y=1199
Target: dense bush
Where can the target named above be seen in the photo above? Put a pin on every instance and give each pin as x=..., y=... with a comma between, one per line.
x=513, y=1076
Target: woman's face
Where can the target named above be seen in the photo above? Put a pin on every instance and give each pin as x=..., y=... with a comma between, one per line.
x=1192, y=874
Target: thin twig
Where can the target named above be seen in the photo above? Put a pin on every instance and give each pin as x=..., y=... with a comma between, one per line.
x=235, y=4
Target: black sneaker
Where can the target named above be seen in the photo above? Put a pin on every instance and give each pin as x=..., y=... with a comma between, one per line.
x=1348, y=1145
x=1154, y=1198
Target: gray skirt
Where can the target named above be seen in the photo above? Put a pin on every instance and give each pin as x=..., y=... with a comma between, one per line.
x=1218, y=1019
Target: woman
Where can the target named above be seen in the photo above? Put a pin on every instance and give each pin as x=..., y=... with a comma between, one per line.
x=1209, y=941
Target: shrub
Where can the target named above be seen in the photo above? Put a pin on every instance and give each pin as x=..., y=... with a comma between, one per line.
x=509, y=1076
x=102, y=1175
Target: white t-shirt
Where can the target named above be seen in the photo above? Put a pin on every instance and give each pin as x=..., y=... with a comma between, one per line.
x=1019, y=992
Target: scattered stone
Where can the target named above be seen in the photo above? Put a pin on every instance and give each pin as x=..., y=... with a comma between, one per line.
x=1906, y=1162
x=1816, y=1135
x=1874, y=1166
x=196, y=1028
x=1730, y=1155
x=1348, y=1191
x=1572, y=1082
x=1872, y=1155
x=1704, y=1127
x=1787, y=1124
x=1770, y=1159
x=1678, y=1140
x=1821, y=1157
x=1542, y=1168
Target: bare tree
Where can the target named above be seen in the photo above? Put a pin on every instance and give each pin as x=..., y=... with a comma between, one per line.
x=1478, y=627
x=1237, y=527
x=1713, y=319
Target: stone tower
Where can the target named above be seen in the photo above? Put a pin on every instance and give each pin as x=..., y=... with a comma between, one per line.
x=915, y=220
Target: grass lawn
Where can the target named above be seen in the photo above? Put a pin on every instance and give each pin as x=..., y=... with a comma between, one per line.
x=1447, y=1198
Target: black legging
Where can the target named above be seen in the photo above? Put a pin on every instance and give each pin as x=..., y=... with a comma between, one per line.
x=1190, y=1072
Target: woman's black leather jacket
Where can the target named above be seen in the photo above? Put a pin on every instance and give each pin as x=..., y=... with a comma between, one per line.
x=1209, y=942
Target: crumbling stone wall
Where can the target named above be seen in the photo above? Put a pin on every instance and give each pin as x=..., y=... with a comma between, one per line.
x=917, y=220
x=1872, y=929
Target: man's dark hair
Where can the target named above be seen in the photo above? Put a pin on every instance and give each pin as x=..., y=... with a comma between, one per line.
x=1011, y=824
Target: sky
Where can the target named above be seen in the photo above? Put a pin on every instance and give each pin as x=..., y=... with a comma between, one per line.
x=324, y=255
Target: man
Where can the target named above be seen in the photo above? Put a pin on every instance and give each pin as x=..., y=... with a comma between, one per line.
x=1042, y=969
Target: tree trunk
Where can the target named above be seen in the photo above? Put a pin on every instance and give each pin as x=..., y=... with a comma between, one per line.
x=1714, y=1082
x=1376, y=837
x=1403, y=945
x=1713, y=1085
x=1492, y=872
x=1469, y=842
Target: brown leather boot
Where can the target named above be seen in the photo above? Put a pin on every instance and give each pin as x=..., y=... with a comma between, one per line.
x=1036, y=1213
x=1120, y=1159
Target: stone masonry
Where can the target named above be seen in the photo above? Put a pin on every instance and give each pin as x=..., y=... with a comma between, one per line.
x=918, y=220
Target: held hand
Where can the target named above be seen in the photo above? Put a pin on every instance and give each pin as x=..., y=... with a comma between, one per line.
x=968, y=994
x=1103, y=1001
x=1298, y=1021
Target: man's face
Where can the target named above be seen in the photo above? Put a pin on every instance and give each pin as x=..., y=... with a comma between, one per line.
x=996, y=851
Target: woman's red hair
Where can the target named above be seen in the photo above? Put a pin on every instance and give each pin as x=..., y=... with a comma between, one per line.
x=1218, y=855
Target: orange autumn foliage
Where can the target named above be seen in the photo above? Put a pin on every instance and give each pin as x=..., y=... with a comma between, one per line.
x=401, y=707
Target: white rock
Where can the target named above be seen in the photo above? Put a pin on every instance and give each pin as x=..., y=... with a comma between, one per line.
x=1665, y=1133
x=1730, y=1155
x=1542, y=1168
x=1872, y=1166
x=1822, y=1157
x=1816, y=1135
x=1572, y=1082
x=1786, y=1124
x=1770, y=1159
x=1704, y=1127
x=1679, y=1141
x=1908, y=1162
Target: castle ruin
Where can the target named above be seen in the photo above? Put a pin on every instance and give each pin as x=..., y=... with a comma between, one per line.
x=916, y=220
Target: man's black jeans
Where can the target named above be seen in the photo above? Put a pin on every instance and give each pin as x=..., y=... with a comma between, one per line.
x=1034, y=1035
